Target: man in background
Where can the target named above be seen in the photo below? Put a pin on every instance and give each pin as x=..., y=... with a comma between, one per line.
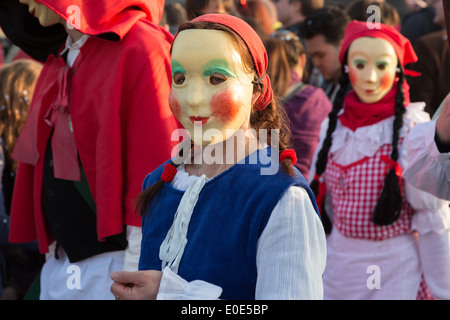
x=323, y=32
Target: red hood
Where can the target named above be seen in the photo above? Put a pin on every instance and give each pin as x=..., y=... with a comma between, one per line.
x=100, y=17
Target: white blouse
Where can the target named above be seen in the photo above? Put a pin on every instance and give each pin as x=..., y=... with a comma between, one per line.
x=291, y=252
x=427, y=168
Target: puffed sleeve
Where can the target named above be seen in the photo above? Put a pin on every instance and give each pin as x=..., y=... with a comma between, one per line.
x=431, y=219
x=291, y=253
x=425, y=167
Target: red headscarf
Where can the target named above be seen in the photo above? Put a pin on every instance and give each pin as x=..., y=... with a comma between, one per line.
x=402, y=46
x=96, y=17
x=255, y=47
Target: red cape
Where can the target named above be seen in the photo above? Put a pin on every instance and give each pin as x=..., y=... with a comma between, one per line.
x=122, y=126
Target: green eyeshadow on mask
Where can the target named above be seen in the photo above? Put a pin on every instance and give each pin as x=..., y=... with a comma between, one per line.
x=217, y=66
x=382, y=63
x=176, y=67
x=359, y=61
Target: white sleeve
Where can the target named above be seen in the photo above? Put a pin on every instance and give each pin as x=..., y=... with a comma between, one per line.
x=427, y=175
x=432, y=214
x=425, y=167
x=431, y=220
x=173, y=287
x=133, y=250
x=291, y=253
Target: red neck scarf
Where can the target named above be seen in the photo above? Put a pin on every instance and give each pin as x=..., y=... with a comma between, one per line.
x=359, y=114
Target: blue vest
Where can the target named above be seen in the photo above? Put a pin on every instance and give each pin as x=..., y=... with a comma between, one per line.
x=231, y=213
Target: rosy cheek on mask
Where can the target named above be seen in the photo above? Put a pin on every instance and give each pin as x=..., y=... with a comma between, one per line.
x=386, y=81
x=352, y=75
x=224, y=107
x=174, y=105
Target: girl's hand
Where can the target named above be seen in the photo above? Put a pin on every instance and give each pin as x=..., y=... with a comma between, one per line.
x=138, y=285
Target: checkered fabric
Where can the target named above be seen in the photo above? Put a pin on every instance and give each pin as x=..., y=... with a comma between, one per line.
x=424, y=291
x=355, y=190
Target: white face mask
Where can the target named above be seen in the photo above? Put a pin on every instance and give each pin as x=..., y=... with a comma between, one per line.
x=46, y=16
x=372, y=64
x=212, y=93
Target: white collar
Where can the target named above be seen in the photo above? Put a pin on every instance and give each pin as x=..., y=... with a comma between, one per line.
x=71, y=45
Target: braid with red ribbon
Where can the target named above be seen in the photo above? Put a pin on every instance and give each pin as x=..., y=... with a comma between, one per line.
x=169, y=172
x=288, y=154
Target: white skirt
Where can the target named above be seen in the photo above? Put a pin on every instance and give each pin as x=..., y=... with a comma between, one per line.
x=359, y=269
x=88, y=279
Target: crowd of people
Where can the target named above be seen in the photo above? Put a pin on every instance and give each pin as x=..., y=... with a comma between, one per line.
x=119, y=182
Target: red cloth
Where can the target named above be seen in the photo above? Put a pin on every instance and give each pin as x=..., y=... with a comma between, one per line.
x=169, y=173
x=122, y=124
x=321, y=192
x=254, y=45
x=359, y=114
x=107, y=16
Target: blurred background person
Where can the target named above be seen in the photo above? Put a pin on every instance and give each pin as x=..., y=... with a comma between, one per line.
x=276, y=24
x=175, y=15
x=195, y=8
x=292, y=13
x=420, y=21
x=306, y=106
x=323, y=33
x=19, y=263
x=357, y=10
x=259, y=12
x=433, y=83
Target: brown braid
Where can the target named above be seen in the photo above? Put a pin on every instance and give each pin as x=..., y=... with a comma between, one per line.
x=389, y=204
x=322, y=157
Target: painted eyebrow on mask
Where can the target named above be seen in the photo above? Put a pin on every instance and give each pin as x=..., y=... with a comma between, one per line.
x=358, y=61
x=217, y=66
x=176, y=67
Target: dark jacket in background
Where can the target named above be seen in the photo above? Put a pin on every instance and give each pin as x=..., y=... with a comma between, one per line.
x=434, y=65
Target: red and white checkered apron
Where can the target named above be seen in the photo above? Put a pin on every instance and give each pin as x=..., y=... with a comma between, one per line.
x=355, y=190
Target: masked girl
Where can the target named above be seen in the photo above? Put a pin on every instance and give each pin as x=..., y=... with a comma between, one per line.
x=388, y=240
x=226, y=229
